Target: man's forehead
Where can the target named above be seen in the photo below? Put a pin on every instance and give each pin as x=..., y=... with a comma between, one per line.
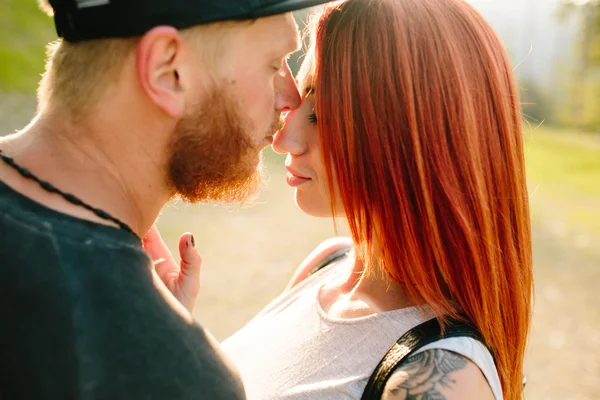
x=289, y=34
x=282, y=32
x=306, y=74
x=295, y=42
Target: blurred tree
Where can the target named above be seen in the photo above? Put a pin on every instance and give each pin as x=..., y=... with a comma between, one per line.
x=589, y=14
x=537, y=106
x=583, y=79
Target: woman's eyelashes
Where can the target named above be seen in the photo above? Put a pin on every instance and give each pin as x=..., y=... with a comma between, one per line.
x=312, y=118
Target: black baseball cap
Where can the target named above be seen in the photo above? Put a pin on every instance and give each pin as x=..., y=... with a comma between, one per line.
x=96, y=19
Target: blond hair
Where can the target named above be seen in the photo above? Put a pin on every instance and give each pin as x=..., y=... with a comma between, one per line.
x=77, y=73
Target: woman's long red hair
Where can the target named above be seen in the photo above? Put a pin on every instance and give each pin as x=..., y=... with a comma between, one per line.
x=419, y=119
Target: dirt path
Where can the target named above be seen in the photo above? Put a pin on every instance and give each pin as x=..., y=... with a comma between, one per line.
x=564, y=352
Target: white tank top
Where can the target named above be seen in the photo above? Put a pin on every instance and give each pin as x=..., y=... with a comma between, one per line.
x=293, y=350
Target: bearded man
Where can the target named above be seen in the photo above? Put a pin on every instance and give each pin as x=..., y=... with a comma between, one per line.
x=141, y=101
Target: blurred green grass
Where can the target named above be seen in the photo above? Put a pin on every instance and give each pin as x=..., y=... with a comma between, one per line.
x=25, y=31
x=564, y=171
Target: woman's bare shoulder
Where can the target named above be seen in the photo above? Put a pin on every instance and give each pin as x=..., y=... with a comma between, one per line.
x=438, y=374
x=317, y=255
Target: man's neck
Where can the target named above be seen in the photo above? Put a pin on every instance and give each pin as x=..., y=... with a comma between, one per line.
x=106, y=170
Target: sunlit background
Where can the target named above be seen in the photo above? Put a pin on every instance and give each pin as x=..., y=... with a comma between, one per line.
x=250, y=252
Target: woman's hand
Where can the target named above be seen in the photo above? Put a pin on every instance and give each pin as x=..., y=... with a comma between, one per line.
x=182, y=280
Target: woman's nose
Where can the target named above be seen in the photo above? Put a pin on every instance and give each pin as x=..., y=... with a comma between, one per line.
x=289, y=139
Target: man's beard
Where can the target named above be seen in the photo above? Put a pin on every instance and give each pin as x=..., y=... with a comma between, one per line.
x=213, y=158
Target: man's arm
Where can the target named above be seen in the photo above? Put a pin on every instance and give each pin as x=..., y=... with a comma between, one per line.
x=438, y=375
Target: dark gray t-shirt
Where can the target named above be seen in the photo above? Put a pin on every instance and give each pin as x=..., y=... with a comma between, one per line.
x=80, y=317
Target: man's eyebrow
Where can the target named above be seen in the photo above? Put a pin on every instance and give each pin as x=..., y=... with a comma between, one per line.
x=295, y=44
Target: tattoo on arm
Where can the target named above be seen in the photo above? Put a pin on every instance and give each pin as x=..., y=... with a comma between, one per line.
x=426, y=373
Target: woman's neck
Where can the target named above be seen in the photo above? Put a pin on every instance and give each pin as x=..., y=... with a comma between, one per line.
x=358, y=294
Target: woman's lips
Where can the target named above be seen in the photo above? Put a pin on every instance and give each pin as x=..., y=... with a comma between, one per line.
x=294, y=178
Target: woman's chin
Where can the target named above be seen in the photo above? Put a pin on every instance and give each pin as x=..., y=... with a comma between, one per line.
x=312, y=206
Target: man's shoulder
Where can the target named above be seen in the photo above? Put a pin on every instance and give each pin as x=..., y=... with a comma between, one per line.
x=35, y=245
x=21, y=214
x=93, y=301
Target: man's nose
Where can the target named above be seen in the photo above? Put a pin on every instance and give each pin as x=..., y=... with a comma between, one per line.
x=290, y=138
x=287, y=96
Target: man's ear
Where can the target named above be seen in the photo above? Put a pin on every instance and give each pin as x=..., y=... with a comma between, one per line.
x=158, y=58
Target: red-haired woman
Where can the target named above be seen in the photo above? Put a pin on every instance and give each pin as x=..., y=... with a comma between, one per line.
x=410, y=129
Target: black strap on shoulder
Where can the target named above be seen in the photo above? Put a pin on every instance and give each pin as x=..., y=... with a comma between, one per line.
x=330, y=259
x=418, y=337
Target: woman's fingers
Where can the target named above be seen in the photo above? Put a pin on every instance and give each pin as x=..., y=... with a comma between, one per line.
x=191, y=260
x=159, y=253
x=182, y=280
x=189, y=271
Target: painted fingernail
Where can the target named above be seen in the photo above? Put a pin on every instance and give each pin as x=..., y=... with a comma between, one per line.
x=193, y=241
